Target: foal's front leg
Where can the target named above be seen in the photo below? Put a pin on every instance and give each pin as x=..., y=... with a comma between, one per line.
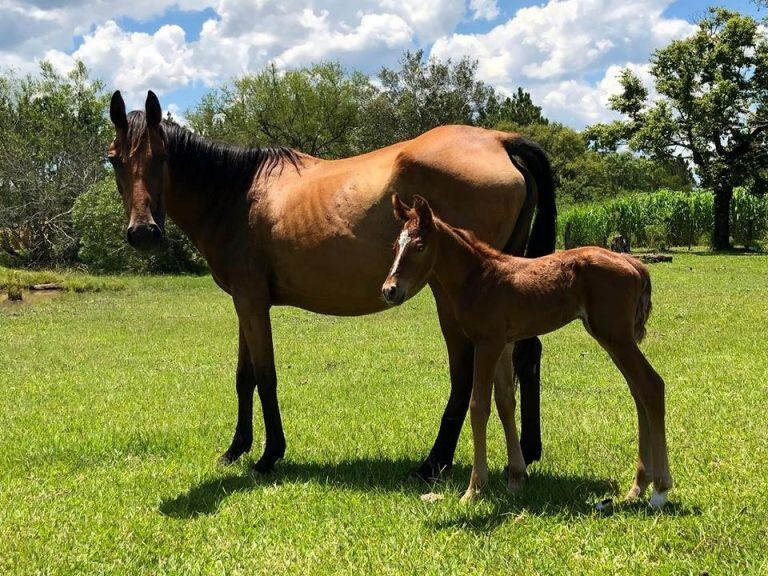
x=486, y=357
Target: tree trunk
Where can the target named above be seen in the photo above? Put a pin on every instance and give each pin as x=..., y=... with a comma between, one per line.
x=721, y=235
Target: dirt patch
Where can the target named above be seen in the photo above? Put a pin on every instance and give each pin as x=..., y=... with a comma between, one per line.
x=29, y=297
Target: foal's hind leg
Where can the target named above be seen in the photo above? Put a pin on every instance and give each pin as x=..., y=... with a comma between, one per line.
x=648, y=390
x=504, y=393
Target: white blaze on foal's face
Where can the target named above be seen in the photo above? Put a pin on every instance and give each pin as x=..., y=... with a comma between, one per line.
x=402, y=242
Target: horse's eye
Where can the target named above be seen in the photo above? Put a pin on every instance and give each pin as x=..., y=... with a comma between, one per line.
x=420, y=247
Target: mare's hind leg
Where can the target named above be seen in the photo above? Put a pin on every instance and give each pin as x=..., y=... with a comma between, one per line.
x=527, y=361
x=486, y=358
x=648, y=390
x=504, y=393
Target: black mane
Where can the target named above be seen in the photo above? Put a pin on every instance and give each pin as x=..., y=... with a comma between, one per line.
x=208, y=163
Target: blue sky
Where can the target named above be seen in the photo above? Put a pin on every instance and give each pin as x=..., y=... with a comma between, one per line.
x=565, y=52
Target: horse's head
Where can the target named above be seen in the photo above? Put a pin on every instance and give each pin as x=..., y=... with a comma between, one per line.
x=138, y=155
x=415, y=251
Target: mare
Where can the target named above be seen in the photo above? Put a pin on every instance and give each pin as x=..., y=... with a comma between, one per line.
x=278, y=227
x=499, y=298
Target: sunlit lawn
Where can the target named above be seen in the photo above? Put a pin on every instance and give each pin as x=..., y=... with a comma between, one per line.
x=115, y=406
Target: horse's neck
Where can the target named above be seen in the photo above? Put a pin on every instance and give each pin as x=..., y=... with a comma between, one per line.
x=456, y=259
x=204, y=214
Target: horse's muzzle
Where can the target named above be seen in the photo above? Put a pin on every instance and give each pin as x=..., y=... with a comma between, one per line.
x=144, y=237
x=392, y=295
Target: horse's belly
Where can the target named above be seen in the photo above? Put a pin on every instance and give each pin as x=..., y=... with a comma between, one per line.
x=344, y=283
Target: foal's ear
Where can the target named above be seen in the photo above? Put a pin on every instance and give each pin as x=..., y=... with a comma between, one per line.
x=152, y=110
x=117, y=111
x=400, y=208
x=423, y=211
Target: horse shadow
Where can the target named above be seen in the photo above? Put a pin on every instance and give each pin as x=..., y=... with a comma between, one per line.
x=546, y=492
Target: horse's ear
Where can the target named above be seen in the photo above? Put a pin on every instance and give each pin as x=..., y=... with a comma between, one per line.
x=152, y=110
x=423, y=211
x=117, y=111
x=400, y=208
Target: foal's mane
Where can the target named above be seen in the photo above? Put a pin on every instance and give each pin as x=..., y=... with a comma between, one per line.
x=210, y=163
x=473, y=242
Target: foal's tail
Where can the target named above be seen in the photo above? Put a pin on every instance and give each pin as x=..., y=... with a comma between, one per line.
x=644, y=305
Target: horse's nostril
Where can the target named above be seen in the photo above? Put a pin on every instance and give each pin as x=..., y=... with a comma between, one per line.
x=390, y=292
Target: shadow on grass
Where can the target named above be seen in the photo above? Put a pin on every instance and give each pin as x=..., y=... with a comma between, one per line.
x=362, y=474
x=545, y=493
x=550, y=494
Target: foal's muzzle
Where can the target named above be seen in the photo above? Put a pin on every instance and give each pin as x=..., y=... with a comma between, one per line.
x=392, y=294
x=144, y=237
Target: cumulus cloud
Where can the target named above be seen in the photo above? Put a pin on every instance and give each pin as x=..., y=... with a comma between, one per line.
x=134, y=60
x=566, y=52
x=484, y=9
x=555, y=49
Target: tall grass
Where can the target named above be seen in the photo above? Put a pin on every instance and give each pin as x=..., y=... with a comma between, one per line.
x=663, y=219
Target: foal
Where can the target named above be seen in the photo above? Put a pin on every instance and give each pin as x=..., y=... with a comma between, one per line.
x=499, y=299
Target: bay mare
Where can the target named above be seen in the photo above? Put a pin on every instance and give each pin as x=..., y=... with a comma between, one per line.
x=500, y=298
x=278, y=227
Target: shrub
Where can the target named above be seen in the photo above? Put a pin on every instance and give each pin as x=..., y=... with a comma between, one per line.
x=98, y=217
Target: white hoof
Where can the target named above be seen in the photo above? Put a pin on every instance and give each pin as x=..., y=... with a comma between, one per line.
x=658, y=499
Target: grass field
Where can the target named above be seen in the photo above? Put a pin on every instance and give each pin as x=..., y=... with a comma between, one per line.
x=115, y=406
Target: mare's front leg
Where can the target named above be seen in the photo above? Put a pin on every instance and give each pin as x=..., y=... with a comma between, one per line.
x=486, y=358
x=245, y=384
x=460, y=362
x=257, y=329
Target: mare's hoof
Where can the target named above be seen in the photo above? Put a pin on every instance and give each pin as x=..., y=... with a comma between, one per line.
x=431, y=471
x=227, y=459
x=266, y=464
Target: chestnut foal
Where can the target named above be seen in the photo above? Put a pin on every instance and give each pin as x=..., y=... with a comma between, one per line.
x=499, y=298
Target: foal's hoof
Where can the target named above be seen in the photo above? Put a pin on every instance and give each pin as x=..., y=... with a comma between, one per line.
x=658, y=499
x=516, y=484
x=266, y=464
x=634, y=494
x=469, y=496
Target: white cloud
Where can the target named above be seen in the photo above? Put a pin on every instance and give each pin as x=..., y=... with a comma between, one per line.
x=135, y=60
x=565, y=52
x=484, y=9
x=555, y=49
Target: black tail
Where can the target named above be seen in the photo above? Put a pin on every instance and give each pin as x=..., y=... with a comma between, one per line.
x=542, y=238
x=541, y=241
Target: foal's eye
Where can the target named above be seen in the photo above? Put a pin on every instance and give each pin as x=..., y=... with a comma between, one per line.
x=420, y=247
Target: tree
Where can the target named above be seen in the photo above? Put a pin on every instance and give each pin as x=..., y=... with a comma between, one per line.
x=711, y=110
x=584, y=175
x=315, y=110
x=53, y=136
x=422, y=94
x=519, y=109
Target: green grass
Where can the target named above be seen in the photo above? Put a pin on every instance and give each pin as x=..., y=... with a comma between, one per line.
x=115, y=406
